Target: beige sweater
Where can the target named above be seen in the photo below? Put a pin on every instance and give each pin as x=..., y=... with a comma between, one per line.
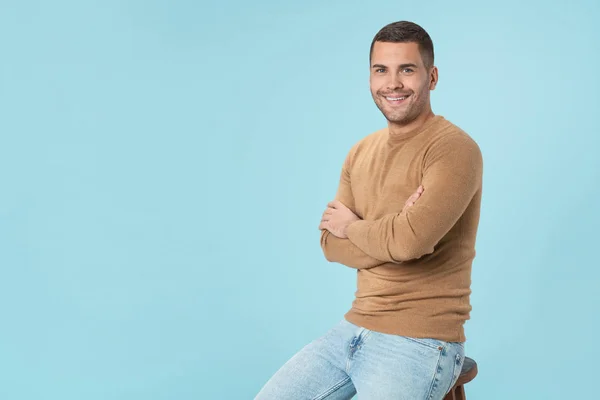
x=413, y=267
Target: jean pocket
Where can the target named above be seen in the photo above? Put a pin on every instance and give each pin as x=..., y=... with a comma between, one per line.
x=434, y=344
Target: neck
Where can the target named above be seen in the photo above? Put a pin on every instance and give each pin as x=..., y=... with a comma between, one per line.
x=403, y=129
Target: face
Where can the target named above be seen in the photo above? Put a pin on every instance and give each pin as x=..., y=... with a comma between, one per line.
x=400, y=82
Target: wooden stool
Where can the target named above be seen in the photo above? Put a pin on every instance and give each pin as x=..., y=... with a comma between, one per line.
x=467, y=374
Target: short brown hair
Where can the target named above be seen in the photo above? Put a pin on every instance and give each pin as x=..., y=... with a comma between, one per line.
x=405, y=32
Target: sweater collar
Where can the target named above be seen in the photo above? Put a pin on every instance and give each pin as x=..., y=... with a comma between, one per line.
x=393, y=139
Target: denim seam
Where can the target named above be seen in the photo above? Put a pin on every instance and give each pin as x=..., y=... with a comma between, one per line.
x=348, y=363
x=361, y=343
x=333, y=389
x=455, y=376
x=435, y=379
x=364, y=338
x=416, y=340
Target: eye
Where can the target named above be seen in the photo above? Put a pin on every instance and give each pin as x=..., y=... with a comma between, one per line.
x=380, y=70
x=408, y=70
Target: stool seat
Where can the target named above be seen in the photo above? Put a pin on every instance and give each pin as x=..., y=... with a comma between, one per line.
x=467, y=374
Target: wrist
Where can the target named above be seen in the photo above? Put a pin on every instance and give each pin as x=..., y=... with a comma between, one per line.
x=347, y=227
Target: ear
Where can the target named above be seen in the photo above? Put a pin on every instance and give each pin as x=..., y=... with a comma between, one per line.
x=433, y=78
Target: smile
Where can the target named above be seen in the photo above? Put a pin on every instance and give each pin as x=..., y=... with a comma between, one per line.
x=397, y=100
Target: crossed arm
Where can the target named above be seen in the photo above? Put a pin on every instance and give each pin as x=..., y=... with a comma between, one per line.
x=345, y=252
x=452, y=175
x=338, y=249
x=341, y=249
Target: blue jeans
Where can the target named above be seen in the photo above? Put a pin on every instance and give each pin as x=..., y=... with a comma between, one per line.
x=351, y=360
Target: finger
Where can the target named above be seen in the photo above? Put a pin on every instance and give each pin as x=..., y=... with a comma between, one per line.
x=337, y=205
x=413, y=197
x=333, y=204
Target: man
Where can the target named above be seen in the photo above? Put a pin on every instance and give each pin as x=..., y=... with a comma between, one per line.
x=405, y=217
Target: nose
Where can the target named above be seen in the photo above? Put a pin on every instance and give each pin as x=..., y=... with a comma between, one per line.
x=395, y=82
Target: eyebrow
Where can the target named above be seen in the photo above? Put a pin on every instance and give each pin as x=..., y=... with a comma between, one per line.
x=401, y=65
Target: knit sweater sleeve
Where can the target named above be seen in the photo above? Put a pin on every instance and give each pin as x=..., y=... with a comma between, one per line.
x=452, y=175
x=343, y=251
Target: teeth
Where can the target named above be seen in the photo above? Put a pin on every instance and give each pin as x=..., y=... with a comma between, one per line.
x=395, y=98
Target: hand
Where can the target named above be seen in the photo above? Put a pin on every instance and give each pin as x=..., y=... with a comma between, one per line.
x=336, y=219
x=413, y=198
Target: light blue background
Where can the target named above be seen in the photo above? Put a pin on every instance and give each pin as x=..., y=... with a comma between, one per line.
x=164, y=166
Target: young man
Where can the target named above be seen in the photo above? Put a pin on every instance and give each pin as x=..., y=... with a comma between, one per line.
x=405, y=217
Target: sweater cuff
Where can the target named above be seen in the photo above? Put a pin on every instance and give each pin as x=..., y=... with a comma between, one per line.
x=353, y=231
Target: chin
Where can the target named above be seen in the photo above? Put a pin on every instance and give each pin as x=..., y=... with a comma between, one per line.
x=398, y=119
x=401, y=120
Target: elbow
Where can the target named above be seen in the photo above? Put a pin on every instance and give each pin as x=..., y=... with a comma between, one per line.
x=324, y=247
x=328, y=255
x=411, y=251
x=420, y=252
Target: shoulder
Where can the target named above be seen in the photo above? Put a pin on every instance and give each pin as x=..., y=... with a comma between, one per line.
x=453, y=144
x=451, y=138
